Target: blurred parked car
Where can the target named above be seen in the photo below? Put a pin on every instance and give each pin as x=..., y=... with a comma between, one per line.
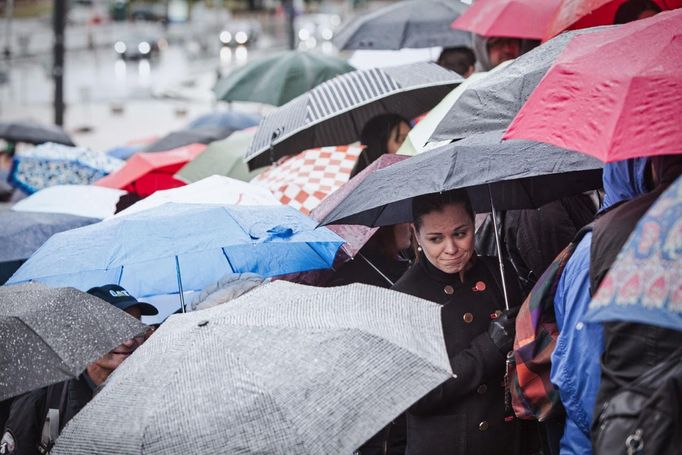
x=138, y=48
x=315, y=29
x=240, y=33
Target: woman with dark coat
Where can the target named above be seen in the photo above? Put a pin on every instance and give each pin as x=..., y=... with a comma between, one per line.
x=466, y=414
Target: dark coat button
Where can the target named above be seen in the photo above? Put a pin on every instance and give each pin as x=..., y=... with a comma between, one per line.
x=449, y=290
x=481, y=389
x=483, y=426
x=468, y=318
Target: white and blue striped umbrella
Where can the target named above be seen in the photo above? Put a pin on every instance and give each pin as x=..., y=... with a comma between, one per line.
x=335, y=111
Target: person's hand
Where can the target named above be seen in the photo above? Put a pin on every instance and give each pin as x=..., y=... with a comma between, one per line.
x=503, y=329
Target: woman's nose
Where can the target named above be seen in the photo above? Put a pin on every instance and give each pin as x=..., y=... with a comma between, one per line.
x=450, y=246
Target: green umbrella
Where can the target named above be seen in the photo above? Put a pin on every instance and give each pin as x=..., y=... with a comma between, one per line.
x=279, y=78
x=223, y=157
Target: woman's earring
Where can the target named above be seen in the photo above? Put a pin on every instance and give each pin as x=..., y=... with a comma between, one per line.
x=419, y=247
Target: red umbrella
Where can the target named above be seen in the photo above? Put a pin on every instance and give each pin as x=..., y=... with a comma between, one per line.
x=145, y=173
x=578, y=14
x=354, y=235
x=509, y=18
x=613, y=94
x=304, y=180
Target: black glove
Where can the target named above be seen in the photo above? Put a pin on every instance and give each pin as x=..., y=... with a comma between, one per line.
x=503, y=329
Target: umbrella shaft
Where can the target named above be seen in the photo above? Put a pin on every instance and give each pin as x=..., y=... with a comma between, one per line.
x=499, y=249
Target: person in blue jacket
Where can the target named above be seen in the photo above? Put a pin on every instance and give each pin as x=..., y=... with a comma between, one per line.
x=575, y=360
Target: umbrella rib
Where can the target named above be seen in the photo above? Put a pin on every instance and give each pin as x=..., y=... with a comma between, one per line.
x=232, y=269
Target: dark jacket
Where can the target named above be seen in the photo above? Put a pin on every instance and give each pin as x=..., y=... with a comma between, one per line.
x=363, y=269
x=630, y=349
x=466, y=414
x=532, y=238
x=28, y=412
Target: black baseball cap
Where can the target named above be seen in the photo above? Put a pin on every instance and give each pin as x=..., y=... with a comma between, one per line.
x=121, y=299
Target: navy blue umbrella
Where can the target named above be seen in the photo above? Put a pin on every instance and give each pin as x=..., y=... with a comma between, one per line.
x=23, y=233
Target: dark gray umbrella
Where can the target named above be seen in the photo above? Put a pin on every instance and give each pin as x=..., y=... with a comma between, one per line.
x=407, y=24
x=22, y=233
x=492, y=102
x=284, y=369
x=334, y=112
x=33, y=133
x=519, y=174
x=48, y=335
x=180, y=138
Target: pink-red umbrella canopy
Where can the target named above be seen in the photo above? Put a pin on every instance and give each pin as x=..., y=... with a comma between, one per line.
x=509, y=18
x=578, y=14
x=146, y=173
x=614, y=94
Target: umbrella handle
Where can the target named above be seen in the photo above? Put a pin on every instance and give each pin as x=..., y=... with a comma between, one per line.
x=499, y=249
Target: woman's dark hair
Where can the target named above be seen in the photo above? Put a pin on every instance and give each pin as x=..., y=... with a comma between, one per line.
x=374, y=137
x=631, y=9
x=436, y=202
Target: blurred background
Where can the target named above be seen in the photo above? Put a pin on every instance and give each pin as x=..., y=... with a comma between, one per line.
x=134, y=69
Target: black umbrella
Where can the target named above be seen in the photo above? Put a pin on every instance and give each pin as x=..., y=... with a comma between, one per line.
x=492, y=102
x=407, y=24
x=335, y=111
x=48, y=335
x=33, y=133
x=514, y=174
x=520, y=174
x=180, y=138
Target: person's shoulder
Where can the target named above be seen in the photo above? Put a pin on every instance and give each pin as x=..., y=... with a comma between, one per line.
x=21, y=430
x=411, y=281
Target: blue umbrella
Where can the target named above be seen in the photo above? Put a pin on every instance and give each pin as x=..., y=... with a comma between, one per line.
x=226, y=119
x=124, y=152
x=644, y=284
x=182, y=247
x=54, y=164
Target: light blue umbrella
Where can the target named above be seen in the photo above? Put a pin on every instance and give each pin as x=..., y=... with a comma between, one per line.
x=644, y=284
x=54, y=164
x=182, y=247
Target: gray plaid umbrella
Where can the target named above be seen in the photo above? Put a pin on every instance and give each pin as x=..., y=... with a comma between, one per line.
x=335, y=111
x=284, y=369
x=492, y=102
x=48, y=335
x=33, y=133
x=514, y=174
x=407, y=24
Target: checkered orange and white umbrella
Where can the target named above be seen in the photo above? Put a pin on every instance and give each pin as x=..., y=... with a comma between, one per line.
x=304, y=180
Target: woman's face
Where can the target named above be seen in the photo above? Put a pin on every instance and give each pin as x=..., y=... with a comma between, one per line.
x=397, y=137
x=447, y=238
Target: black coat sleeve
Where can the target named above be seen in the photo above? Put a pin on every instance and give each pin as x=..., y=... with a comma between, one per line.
x=25, y=421
x=472, y=366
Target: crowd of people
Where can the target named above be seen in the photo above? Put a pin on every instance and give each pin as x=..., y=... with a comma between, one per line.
x=448, y=255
